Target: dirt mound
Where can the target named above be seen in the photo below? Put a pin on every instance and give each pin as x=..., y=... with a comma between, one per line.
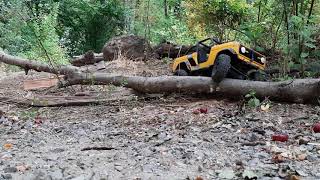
x=131, y=47
x=124, y=66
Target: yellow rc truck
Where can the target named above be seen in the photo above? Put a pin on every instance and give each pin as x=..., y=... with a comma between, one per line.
x=220, y=60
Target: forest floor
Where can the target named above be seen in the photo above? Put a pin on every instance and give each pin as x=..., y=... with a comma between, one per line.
x=152, y=137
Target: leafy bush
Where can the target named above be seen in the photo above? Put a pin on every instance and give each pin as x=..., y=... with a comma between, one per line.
x=87, y=25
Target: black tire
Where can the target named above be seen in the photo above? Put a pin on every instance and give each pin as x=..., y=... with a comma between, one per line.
x=181, y=72
x=221, y=68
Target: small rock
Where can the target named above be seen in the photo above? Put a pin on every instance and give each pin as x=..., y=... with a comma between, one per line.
x=82, y=177
x=6, y=156
x=118, y=168
x=312, y=158
x=10, y=169
x=248, y=174
x=6, y=176
x=303, y=141
x=252, y=117
x=56, y=174
x=301, y=173
x=302, y=157
x=147, y=168
x=57, y=150
x=227, y=174
x=1, y=113
x=52, y=157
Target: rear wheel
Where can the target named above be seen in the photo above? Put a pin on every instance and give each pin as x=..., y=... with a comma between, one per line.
x=221, y=68
x=181, y=72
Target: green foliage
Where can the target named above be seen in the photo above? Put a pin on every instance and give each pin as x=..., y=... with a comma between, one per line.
x=252, y=100
x=43, y=41
x=30, y=32
x=151, y=21
x=28, y=114
x=217, y=17
x=87, y=25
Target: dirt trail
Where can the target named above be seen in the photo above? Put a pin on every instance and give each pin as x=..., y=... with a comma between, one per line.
x=159, y=137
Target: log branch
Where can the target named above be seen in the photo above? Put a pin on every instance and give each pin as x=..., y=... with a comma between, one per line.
x=37, y=66
x=88, y=58
x=299, y=90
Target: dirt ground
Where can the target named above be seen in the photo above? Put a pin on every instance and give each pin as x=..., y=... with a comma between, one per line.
x=153, y=137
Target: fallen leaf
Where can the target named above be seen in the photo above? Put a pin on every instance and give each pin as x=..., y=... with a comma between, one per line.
x=203, y=110
x=316, y=128
x=38, y=120
x=280, y=137
x=278, y=158
x=1, y=113
x=199, y=178
x=196, y=111
x=7, y=146
x=265, y=107
x=294, y=177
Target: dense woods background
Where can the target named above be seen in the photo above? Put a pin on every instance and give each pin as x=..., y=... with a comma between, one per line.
x=285, y=30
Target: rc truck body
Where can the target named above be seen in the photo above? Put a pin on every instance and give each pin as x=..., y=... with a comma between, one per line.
x=220, y=60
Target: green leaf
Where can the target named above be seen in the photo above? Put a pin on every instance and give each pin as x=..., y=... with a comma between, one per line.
x=254, y=102
x=310, y=45
x=304, y=55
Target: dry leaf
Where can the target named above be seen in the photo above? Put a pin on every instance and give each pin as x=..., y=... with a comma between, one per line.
x=23, y=168
x=278, y=158
x=265, y=107
x=7, y=146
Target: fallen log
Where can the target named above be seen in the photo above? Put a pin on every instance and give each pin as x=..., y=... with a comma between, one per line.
x=88, y=58
x=170, y=50
x=27, y=65
x=299, y=90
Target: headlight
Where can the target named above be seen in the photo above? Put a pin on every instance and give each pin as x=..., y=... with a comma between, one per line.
x=243, y=50
x=263, y=60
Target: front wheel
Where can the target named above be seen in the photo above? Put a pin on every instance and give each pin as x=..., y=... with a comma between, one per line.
x=221, y=68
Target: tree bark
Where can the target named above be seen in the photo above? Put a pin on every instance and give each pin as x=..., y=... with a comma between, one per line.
x=299, y=90
x=88, y=58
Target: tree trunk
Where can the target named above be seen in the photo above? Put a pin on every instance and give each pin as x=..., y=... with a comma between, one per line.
x=299, y=90
x=165, y=8
x=88, y=58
